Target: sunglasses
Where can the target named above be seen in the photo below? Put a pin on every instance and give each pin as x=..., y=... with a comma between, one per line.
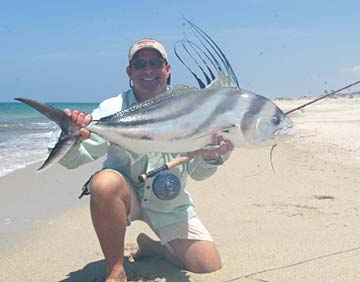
x=140, y=64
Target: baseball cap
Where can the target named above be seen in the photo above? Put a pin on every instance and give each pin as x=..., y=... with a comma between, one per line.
x=147, y=43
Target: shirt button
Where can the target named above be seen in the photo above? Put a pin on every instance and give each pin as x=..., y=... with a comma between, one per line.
x=148, y=187
x=145, y=200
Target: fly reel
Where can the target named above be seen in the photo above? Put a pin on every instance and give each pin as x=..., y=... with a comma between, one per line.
x=166, y=186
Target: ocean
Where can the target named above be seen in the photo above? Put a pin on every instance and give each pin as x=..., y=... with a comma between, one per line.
x=25, y=133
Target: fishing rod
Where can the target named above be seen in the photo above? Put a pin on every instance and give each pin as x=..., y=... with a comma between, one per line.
x=307, y=104
x=322, y=97
x=171, y=164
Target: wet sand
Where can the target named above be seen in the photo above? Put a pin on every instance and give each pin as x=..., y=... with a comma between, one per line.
x=300, y=223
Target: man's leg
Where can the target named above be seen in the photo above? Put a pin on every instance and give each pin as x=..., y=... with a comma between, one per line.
x=110, y=205
x=189, y=246
x=149, y=247
x=197, y=256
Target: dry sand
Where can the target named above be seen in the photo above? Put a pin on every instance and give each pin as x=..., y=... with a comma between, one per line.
x=298, y=224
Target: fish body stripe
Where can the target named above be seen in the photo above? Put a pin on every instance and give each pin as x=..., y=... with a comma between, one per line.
x=158, y=111
x=224, y=105
x=256, y=105
x=149, y=105
x=184, y=110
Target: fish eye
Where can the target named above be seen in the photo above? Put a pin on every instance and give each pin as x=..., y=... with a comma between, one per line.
x=276, y=120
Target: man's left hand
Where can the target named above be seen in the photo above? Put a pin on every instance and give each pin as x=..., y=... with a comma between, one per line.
x=225, y=148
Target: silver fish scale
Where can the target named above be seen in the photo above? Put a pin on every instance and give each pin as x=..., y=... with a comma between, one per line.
x=187, y=121
x=169, y=106
x=186, y=116
x=174, y=103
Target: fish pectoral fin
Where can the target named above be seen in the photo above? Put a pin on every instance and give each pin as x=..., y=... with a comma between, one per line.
x=228, y=133
x=219, y=131
x=211, y=147
x=227, y=129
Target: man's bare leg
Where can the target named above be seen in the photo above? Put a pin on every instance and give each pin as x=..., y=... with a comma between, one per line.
x=109, y=205
x=150, y=247
x=193, y=255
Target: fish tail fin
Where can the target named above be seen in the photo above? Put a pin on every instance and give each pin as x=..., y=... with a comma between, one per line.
x=69, y=134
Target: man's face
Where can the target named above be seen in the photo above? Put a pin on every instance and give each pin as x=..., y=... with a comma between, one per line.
x=149, y=73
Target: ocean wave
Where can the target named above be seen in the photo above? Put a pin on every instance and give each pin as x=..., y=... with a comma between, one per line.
x=28, y=126
x=19, y=150
x=19, y=160
x=25, y=134
x=13, y=167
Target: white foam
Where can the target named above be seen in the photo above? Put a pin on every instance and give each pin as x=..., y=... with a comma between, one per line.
x=21, y=151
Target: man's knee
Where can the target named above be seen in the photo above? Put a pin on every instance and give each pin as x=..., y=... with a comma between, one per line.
x=109, y=183
x=197, y=256
x=205, y=265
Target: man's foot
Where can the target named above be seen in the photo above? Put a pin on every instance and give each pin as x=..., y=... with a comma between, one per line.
x=120, y=278
x=145, y=247
x=117, y=274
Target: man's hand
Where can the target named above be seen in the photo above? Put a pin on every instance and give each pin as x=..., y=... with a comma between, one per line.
x=80, y=121
x=225, y=148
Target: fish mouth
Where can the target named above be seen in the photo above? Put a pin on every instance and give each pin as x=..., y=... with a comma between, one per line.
x=287, y=130
x=284, y=132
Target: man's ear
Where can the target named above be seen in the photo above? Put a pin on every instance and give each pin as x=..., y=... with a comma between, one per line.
x=168, y=68
x=128, y=70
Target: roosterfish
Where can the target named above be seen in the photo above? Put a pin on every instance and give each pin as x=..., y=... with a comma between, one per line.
x=183, y=119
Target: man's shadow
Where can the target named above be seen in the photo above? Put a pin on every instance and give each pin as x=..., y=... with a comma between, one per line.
x=145, y=270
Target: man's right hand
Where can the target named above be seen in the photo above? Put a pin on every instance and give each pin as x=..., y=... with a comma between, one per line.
x=80, y=121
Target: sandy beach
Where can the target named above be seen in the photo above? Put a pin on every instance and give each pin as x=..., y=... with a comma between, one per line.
x=299, y=223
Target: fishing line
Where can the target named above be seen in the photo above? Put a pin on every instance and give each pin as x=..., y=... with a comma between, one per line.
x=250, y=275
x=271, y=154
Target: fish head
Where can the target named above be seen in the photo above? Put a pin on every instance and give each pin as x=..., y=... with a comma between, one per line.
x=265, y=123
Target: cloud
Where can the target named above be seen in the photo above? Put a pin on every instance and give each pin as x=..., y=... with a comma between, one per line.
x=353, y=69
x=356, y=69
x=51, y=55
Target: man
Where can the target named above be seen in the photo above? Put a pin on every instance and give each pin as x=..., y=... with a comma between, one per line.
x=117, y=197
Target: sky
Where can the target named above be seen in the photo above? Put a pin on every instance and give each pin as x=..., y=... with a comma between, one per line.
x=76, y=51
